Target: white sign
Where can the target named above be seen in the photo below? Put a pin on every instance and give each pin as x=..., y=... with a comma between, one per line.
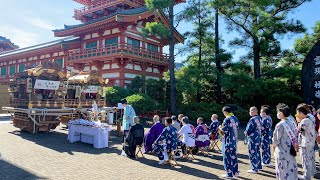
x=92, y=89
x=45, y=84
x=78, y=91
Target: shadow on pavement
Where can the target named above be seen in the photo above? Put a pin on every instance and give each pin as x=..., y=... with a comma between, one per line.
x=181, y=168
x=209, y=164
x=10, y=171
x=57, y=141
x=243, y=156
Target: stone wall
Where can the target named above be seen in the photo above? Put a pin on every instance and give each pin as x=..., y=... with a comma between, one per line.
x=310, y=76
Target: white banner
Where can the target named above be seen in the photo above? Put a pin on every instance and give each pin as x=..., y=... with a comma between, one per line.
x=45, y=84
x=91, y=89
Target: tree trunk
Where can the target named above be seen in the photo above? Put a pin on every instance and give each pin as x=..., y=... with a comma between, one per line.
x=200, y=54
x=256, y=68
x=256, y=60
x=173, y=102
x=217, y=55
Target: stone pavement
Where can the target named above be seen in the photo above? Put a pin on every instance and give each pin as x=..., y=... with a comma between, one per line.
x=51, y=156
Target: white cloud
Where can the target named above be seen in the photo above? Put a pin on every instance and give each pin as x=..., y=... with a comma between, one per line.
x=40, y=23
x=19, y=37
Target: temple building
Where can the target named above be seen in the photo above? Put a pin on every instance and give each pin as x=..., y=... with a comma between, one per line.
x=109, y=39
x=6, y=45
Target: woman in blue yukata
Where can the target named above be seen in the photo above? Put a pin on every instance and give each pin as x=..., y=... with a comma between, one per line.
x=266, y=135
x=168, y=140
x=307, y=137
x=253, y=132
x=214, y=127
x=285, y=146
x=229, y=129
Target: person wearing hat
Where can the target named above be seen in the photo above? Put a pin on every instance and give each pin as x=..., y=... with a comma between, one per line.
x=128, y=115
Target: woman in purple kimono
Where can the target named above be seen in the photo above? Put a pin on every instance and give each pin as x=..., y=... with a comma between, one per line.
x=153, y=134
x=202, y=137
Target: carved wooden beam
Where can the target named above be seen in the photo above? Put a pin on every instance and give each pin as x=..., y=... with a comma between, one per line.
x=79, y=66
x=98, y=64
x=144, y=65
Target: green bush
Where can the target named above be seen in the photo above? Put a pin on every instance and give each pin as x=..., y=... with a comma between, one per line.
x=142, y=103
x=115, y=94
x=204, y=110
x=243, y=116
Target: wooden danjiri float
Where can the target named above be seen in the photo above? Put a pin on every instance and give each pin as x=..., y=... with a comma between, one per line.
x=37, y=98
x=85, y=88
x=85, y=91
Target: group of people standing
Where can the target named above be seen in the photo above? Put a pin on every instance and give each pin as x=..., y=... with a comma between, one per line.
x=295, y=135
x=290, y=136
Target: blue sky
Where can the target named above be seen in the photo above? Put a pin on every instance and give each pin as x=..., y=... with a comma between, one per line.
x=30, y=22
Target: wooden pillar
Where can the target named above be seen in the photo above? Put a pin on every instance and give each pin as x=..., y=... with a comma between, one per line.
x=51, y=56
x=122, y=38
x=64, y=59
x=122, y=64
x=161, y=70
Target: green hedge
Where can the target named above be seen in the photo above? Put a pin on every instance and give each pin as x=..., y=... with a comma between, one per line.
x=205, y=110
x=142, y=103
x=115, y=94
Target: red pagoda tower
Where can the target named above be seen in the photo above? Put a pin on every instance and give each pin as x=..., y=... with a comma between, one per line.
x=109, y=38
x=111, y=41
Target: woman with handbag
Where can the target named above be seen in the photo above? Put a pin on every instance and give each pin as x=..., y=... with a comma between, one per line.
x=285, y=146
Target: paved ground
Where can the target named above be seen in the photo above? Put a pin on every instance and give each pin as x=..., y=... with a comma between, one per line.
x=50, y=156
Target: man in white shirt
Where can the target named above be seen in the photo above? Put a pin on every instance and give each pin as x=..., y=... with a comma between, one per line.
x=187, y=134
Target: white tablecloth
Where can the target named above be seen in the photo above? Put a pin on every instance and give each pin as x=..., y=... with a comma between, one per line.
x=96, y=136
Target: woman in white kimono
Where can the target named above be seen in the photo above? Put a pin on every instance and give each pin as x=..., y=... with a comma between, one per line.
x=306, y=140
x=285, y=146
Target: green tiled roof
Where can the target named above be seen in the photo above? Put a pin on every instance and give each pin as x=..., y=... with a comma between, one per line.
x=38, y=46
x=119, y=12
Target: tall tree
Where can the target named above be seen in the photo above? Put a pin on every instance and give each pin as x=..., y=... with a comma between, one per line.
x=303, y=45
x=168, y=4
x=217, y=53
x=258, y=22
x=197, y=12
